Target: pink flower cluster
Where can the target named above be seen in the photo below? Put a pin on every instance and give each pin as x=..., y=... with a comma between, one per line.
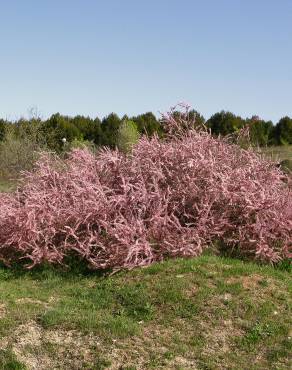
x=167, y=198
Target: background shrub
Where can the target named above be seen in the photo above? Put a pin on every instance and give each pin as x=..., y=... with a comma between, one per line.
x=20, y=148
x=127, y=136
x=2, y=129
x=283, y=131
x=104, y=132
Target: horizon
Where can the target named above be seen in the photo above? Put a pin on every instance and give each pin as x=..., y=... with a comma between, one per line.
x=92, y=58
x=33, y=112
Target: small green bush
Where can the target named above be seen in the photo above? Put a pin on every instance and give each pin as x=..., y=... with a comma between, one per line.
x=81, y=144
x=20, y=149
x=127, y=136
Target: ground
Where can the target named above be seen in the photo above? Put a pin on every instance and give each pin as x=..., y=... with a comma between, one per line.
x=278, y=152
x=203, y=313
x=6, y=186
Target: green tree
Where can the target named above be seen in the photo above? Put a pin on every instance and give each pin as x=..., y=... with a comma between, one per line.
x=185, y=120
x=58, y=127
x=283, y=131
x=260, y=131
x=109, y=130
x=193, y=115
x=90, y=129
x=147, y=124
x=2, y=129
x=30, y=129
x=224, y=123
x=128, y=135
x=198, y=118
x=20, y=148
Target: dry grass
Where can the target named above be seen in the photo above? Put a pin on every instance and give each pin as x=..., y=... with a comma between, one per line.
x=278, y=152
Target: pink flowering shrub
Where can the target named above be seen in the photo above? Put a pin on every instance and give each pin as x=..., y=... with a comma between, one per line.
x=167, y=198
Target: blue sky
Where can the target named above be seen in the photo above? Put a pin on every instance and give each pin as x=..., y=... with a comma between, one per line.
x=132, y=56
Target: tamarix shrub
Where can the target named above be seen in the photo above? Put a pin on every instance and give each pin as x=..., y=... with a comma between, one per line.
x=167, y=198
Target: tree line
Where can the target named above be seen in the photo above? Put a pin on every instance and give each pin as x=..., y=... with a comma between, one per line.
x=104, y=132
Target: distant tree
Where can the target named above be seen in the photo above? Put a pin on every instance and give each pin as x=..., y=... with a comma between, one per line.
x=20, y=147
x=193, y=115
x=81, y=144
x=125, y=118
x=58, y=127
x=90, y=129
x=128, y=135
x=260, y=131
x=97, y=131
x=185, y=119
x=198, y=117
x=2, y=129
x=283, y=131
x=109, y=130
x=224, y=123
x=49, y=133
x=147, y=124
x=29, y=128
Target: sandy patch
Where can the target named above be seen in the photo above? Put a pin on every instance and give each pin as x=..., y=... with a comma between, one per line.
x=69, y=349
x=220, y=338
x=248, y=282
x=2, y=310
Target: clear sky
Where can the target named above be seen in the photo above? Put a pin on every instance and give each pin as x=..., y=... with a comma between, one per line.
x=93, y=57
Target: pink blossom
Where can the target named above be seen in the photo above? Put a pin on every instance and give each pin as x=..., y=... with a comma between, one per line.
x=166, y=199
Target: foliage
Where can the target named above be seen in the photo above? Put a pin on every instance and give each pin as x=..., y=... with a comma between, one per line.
x=58, y=127
x=286, y=165
x=19, y=149
x=2, y=129
x=109, y=128
x=90, y=129
x=147, y=124
x=127, y=136
x=177, y=123
x=260, y=131
x=169, y=198
x=193, y=118
x=81, y=144
x=104, y=133
x=283, y=131
x=224, y=123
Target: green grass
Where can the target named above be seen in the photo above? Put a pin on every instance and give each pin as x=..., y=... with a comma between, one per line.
x=204, y=313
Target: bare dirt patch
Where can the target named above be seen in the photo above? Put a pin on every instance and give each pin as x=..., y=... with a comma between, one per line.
x=220, y=338
x=41, y=349
x=2, y=310
x=154, y=343
x=68, y=349
x=32, y=301
x=249, y=282
x=192, y=291
x=28, y=336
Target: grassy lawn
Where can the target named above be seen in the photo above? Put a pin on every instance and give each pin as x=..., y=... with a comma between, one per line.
x=203, y=313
